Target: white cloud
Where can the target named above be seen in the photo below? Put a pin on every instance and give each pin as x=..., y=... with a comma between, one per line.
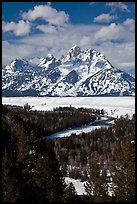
x=49, y=3
x=84, y=41
x=64, y=38
x=114, y=31
x=118, y=5
x=41, y=44
x=111, y=32
x=115, y=41
x=130, y=24
x=122, y=56
x=47, y=28
x=102, y=38
x=105, y=18
x=10, y=51
x=19, y=29
x=47, y=13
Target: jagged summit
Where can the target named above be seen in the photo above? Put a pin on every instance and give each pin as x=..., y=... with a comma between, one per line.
x=18, y=64
x=78, y=73
x=72, y=53
x=49, y=61
x=75, y=50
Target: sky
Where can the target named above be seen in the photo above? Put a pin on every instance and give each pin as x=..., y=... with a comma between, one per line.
x=34, y=29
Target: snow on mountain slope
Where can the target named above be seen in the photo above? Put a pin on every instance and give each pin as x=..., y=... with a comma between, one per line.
x=49, y=62
x=77, y=73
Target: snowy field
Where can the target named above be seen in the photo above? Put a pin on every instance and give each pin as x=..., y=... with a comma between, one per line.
x=114, y=106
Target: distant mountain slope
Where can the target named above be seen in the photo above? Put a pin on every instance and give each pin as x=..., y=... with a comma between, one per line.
x=77, y=73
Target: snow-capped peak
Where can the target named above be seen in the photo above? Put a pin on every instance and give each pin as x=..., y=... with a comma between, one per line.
x=75, y=50
x=50, y=56
x=17, y=65
x=49, y=61
x=72, y=53
x=77, y=73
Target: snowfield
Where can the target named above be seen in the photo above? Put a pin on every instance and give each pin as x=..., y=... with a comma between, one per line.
x=114, y=106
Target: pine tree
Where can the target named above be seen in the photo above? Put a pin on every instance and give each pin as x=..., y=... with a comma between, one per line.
x=124, y=171
x=47, y=177
x=10, y=190
x=23, y=161
x=70, y=194
x=95, y=187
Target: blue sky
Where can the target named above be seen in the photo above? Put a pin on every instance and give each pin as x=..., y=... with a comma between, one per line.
x=34, y=29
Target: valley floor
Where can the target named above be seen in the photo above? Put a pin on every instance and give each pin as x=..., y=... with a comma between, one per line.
x=102, y=122
x=114, y=106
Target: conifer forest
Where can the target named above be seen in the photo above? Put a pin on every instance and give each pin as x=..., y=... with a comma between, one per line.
x=34, y=167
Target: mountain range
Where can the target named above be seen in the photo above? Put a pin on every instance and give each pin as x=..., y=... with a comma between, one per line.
x=77, y=73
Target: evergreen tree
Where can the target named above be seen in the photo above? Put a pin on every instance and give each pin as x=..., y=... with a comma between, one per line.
x=70, y=194
x=47, y=177
x=95, y=187
x=124, y=171
x=6, y=134
x=23, y=161
x=10, y=190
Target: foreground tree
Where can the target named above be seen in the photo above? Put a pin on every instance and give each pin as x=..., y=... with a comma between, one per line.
x=70, y=194
x=10, y=188
x=46, y=174
x=96, y=186
x=124, y=170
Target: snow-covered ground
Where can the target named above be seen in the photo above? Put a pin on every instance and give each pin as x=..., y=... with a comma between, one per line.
x=79, y=186
x=114, y=106
x=85, y=128
x=77, y=131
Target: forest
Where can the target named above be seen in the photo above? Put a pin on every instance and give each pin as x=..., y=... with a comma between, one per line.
x=34, y=167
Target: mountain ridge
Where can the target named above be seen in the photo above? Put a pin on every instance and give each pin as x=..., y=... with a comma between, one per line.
x=76, y=73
